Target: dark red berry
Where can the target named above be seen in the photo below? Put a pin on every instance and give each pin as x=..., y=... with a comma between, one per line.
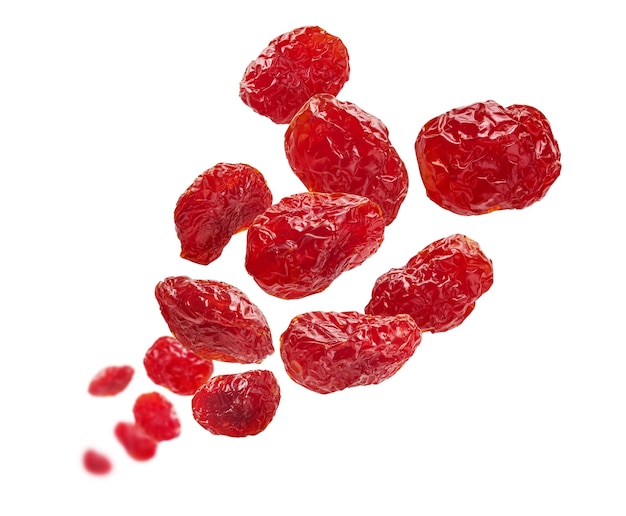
x=156, y=416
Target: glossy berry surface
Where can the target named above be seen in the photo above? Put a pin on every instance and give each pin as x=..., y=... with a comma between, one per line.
x=237, y=405
x=300, y=245
x=214, y=320
x=171, y=365
x=330, y=351
x=484, y=157
x=222, y=201
x=294, y=66
x=438, y=287
x=96, y=463
x=156, y=416
x=335, y=146
x=111, y=380
x=139, y=445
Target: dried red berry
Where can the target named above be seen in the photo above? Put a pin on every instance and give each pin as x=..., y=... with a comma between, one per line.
x=438, y=287
x=298, y=246
x=335, y=146
x=215, y=320
x=221, y=202
x=135, y=441
x=295, y=66
x=111, y=381
x=171, y=365
x=237, y=405
x=330, y=351
x=484, y=157
x=156, y=416
x=96, y=463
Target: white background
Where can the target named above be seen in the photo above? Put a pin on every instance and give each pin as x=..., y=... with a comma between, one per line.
x=109, y=110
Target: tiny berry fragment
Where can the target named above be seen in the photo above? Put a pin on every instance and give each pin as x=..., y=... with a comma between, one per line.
x=214, y=320
x=135, y=441
x=111, y=381
x=484, y=157
x=330, y=351
x=171, y=365
x=156, y=416
x=97, y=463
x=294, y=66
x=237, y=405
x=438, y=287
x=221, y=201
x=335, y=146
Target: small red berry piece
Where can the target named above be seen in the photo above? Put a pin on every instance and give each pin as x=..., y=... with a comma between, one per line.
x=294, y=66
x=111, y=380
x=222, y=201
x=96, y=463
x=171, y=365
x=139, y=445
x=330, y=351
x=215, y=320
x=237, y=405
x=156, y=416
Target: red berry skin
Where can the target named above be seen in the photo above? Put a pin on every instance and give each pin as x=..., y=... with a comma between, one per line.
x=331, y=351
x=438, y=287
x=300, y=245
x=171, y=365
x=222, y=201
x=335, y=146
x=237, y=405
x=135, y=441
x=96, y=463
x=111, y=381
x=156, y=416
x=214, y=320
x=294, y=66
x=484, y=157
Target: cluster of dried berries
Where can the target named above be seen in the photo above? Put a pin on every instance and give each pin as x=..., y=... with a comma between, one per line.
x=472, y=160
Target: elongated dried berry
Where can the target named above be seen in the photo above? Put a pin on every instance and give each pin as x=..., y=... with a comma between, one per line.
x=438, y=287
x=484, y=157
x=330, y=351
x=111, y=380
x=294, y=66
x=156, y=416
x=171, y=365
x=335, y=146
x=215, y=320
x=97, y=463
x=300, y=245
x=222, y=201
x=237, y=405
x=139, y=445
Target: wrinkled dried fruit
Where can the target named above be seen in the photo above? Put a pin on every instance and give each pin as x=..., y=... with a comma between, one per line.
x=215, y=320
x=294, y=66
x=335, y=146
x=156, y=416
x=139, y=445
x=171, y=365
x=96, y=463
x=484, y=157
x=330, y=351
x=300, y=245
x=221, y=202
x=111, y=380
x=438, y=287
x=237, y=405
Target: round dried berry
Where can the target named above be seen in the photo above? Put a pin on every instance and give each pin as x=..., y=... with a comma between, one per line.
x=139, y=445
x=214, y=320
x=293, y=67
x=484, y=157
x=330, y=351
x=237, y=405
x=96, y=463
x=171, y=365
x=111, y=380
x=156, y=416
x=221, y=202
x=335, y=146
